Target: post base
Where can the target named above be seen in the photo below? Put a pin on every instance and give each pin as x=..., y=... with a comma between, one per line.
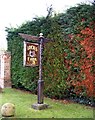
x=39, y=106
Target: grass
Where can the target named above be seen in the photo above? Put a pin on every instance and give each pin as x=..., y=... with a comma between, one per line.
x=24, y=100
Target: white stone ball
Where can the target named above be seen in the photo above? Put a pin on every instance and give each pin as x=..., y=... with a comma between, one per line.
x=8, y=110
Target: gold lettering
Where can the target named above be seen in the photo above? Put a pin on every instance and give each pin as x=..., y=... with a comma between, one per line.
x=33, y=61
x=32, y=47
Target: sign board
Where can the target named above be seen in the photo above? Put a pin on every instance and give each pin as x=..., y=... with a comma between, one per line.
x=31, y=54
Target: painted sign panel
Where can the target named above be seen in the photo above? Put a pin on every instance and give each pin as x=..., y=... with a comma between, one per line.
x=31, y=54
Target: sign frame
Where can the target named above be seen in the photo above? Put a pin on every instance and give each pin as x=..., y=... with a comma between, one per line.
x=31, y=54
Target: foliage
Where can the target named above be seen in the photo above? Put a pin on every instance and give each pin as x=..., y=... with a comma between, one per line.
x=79, y=29
x=21, y=77
x=68, y=63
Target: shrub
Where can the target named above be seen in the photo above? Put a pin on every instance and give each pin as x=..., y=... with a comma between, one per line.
x=68, y=62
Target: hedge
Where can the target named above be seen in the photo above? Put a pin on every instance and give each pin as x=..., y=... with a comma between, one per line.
x=68, y=62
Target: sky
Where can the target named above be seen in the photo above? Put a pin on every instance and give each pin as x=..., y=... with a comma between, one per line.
x=13, y=13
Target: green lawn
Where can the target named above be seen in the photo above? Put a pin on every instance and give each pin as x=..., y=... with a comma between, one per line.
x=57, y=109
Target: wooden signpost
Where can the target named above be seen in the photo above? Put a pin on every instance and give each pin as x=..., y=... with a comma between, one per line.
x=33, y=57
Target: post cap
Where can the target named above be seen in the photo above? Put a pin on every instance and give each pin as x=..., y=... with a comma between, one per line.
x=41, y=34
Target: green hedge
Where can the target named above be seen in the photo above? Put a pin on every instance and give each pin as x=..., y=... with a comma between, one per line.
x=59, y=62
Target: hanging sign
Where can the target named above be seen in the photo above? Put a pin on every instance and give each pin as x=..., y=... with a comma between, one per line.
x=31, y=54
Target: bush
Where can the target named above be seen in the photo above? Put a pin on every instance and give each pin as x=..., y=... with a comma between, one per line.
x=68, y=63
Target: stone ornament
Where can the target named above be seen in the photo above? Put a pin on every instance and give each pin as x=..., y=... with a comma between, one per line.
x=8, y=110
